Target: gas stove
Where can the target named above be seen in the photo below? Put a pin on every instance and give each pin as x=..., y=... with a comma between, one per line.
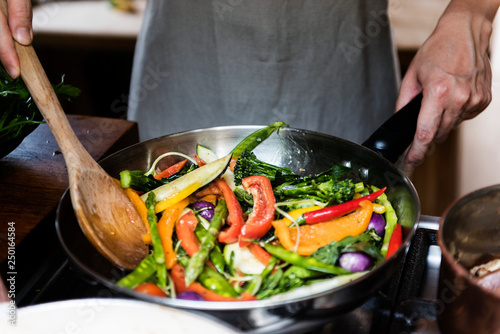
x=406, y=304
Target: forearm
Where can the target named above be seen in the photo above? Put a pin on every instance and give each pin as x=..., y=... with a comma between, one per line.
x=484, y=8
x=478, y=14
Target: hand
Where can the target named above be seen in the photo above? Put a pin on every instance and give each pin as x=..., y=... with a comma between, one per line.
x=17, y=26
x=453, y=72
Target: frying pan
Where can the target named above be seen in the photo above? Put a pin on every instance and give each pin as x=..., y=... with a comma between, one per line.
x=300, y=150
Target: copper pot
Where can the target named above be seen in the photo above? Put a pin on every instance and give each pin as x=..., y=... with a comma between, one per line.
x=469, y=235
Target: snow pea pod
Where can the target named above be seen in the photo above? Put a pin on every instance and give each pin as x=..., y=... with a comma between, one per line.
x=254, y=139
x=215, y=282
x=140, y=274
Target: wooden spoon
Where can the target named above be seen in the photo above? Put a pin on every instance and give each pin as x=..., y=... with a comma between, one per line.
x=104, y=212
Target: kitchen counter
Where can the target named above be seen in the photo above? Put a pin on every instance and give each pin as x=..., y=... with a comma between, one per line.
x=86, y=24
x=34, y=177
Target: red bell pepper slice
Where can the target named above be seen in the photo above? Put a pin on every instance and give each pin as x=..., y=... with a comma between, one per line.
x=260, y=253
x=396, y=241
x=235, y=218
x=175, y=168
x=185, y=232
x=336, y=211
x=150, y=289
x=260, y=220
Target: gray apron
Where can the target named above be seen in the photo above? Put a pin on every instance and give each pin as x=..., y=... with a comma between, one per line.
x=326, y=66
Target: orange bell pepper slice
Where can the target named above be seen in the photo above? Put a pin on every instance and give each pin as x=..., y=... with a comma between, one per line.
x=141, y=208
x=166, y=226
x=313, y=237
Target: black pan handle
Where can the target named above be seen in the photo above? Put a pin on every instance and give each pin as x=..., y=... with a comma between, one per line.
x=393, y=137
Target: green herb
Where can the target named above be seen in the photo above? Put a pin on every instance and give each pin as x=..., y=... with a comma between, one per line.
x=19, y=114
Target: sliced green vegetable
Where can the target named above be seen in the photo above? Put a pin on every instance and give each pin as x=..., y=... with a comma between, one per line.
x=189, y=183
x=136, y=179
x=205, y=154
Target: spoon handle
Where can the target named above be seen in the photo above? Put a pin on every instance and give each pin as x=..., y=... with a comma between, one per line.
x=45, y=98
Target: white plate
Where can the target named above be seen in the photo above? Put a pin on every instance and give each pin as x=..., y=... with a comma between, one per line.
x=105, y=316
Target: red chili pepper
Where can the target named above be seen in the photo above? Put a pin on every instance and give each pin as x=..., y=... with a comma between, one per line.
x=336, y=211
x=175, y=168
x=260, y=220
x=396, y=241
x=235, y=218
x=185, y=232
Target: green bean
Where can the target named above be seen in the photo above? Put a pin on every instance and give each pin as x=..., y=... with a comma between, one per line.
x=391, y=219
x=305, y=262
x=214, y=281
x=216, y=256
x=159, y=255
x=207, y=243
x=254, y=139
x=256, y=283
x=140, y=274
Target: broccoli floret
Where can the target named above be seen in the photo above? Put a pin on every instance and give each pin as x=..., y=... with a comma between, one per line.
x=343, y=191
x=324, y=187
x=248, y=165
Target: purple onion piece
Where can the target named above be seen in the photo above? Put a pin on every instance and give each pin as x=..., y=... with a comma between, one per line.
x=189, y=295
x=355, y=262
x=204, y=209
x=377, y=222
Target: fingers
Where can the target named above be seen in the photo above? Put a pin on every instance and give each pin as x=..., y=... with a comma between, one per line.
x=20, y=16
x=429, y=120
x=17, y=26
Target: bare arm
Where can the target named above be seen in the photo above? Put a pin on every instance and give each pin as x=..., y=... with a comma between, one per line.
x=452, y=70
x=17, y=26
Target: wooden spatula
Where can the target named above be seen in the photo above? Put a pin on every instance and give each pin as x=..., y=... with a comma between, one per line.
x=104, y=212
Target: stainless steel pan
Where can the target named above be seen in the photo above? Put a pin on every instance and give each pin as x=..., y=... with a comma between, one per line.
x=294, y=148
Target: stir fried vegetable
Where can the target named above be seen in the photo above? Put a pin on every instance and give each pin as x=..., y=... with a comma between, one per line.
x=276, y=231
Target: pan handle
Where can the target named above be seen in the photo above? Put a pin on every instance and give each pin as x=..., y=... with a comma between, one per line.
x=393, y=137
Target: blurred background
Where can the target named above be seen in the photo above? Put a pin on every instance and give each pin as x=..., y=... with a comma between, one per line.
x=92, y=43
